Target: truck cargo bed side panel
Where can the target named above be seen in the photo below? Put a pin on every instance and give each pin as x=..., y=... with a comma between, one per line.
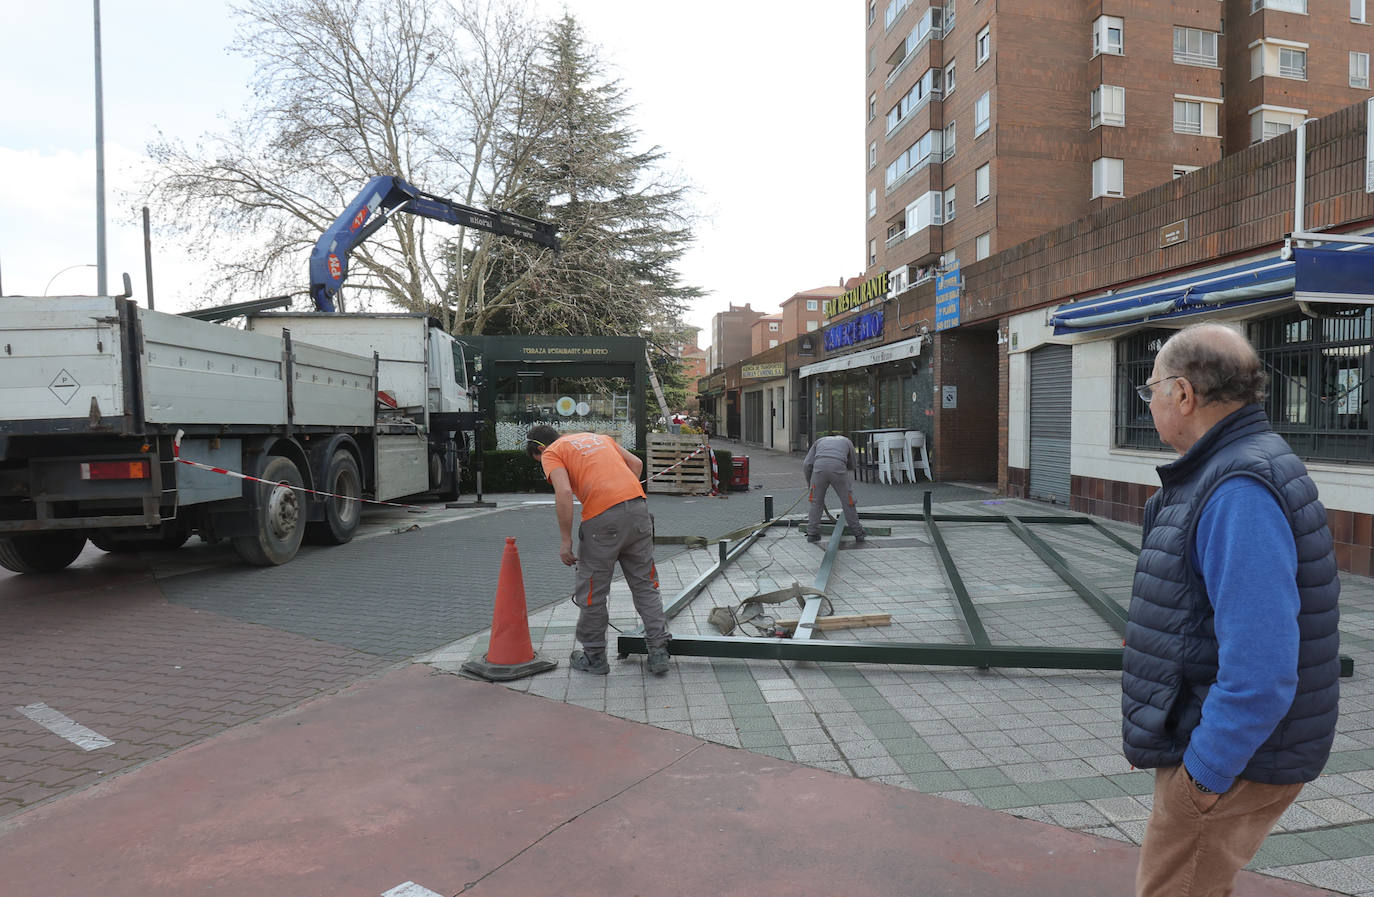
x=56, y=355
x=402, y=466
x=199, y=373
x=331, y=388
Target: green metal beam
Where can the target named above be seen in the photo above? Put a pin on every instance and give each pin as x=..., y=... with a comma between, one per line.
x=971, y=619
x=1028, y=657
x=1099, y=601
x=1097, y=524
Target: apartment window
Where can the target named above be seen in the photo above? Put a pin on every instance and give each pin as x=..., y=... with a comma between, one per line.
x=982, y=246
x=1297, y=6
x=982, y=184
x=1292, y=63
x=1357, y=10
x=872, y=253
x=872, y=202
x=949, y=16
x=927, y=211
x=812, y=325
x=1268, y=122
x=982, y=48
x=772, y=344
x=1181, y=170
x=872, y=154
x=1107, y=106
x=1359, y=69
x=926, y=149
x=772, y=326
x=1196, y=115
x=1193, y=46
x=894, y=12
x=813, y=305
x=923, y=31
x=949, y=79
x=1286, y=59
x=914, y=99
x=982, y=113
x=1109, y=35
x=949, y=204
x=949, y=139
x=1109, y=177
x=872, y=106
x=873, y=12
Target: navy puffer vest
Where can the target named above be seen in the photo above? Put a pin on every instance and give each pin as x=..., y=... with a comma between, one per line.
x=1171, y=649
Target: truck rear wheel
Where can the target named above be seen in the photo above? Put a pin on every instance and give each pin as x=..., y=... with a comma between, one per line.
x=278, y=515
x=341, y=515
x=41, y=552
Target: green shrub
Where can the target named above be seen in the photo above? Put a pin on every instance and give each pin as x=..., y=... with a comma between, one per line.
x=506, y=471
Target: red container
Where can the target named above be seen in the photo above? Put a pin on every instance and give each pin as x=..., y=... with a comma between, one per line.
x=739, y=473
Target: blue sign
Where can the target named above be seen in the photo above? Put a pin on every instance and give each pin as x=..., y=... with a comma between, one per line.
x=947, y=299
x=855, y=330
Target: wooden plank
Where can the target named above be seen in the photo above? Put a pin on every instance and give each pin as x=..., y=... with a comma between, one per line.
x=841, y=621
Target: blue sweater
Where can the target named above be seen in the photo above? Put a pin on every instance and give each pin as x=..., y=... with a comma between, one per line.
x=1245, y=553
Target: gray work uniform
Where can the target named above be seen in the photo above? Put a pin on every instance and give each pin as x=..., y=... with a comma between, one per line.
x=830, y=465
x=624, y=533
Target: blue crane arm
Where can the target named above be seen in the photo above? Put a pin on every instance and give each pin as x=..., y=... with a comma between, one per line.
x=381, y=197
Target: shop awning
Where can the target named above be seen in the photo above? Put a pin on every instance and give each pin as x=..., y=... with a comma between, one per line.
x=1341, y=275
x=908, y=348
x=1254, y=282
x=1332, y=274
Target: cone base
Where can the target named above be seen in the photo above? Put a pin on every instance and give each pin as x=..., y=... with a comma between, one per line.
x=505, y=672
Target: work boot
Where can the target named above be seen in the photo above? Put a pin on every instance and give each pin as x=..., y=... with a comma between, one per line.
x=861, y=538
x=593, y=662
x=811, y=538
x=658, y=660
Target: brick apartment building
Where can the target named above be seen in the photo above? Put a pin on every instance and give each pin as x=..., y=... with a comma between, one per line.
x=731, y=336
x=990, y=123
x=804, y=312
x=765, y=333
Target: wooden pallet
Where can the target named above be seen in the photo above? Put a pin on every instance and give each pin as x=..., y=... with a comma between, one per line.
x=691, y=477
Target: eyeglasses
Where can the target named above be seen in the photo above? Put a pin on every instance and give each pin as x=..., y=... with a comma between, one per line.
x=1147, y=391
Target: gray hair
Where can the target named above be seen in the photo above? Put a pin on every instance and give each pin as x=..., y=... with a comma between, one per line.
x=1219, y=362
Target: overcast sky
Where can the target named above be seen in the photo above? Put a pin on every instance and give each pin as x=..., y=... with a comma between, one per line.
x=758, y=104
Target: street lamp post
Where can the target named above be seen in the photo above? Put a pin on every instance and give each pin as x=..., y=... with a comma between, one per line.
x=64, y=271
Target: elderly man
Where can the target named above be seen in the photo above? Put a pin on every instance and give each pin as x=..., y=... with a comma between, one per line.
x=830, y=465
x=1230, y=680
x=616, y=528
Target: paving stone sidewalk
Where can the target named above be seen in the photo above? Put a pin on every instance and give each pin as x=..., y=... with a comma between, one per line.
x=1037, y=744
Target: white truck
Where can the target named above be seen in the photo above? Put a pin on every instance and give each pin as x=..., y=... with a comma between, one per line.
x=94, y=390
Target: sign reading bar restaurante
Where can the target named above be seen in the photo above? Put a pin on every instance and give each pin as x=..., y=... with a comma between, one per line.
x=864, y=292
x=856, y=330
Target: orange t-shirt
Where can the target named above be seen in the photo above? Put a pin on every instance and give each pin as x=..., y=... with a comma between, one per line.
x=597, y=473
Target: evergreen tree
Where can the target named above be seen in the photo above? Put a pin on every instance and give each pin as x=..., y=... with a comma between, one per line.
x=622, y=227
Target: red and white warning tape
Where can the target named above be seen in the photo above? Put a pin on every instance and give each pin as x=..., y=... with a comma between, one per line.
x=176, y=456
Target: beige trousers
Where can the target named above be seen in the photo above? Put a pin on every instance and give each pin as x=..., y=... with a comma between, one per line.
x=1195, y=843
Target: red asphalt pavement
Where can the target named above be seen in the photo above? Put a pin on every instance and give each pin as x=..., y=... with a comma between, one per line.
x=467, y=787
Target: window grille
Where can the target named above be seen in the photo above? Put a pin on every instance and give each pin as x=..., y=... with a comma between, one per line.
x=1135, y=359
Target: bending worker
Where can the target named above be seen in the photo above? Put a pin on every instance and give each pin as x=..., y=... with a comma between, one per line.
x=616, y=526
x=830, y=464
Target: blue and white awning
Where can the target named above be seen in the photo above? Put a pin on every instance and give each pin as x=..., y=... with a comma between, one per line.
x=1327, y=274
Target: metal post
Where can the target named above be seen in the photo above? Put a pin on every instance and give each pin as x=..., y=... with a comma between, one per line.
x=148, y=257
x=1300, y=179
x=101, y=287
x=767, y=508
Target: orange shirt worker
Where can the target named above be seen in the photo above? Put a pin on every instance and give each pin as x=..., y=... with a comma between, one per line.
x=615, y=528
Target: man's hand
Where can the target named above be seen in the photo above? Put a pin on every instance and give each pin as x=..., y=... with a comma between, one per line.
x=565, y=554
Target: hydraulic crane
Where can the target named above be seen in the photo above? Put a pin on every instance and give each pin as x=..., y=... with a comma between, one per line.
x=384, y=195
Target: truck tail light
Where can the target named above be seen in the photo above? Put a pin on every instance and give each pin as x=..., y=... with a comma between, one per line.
x=115, y=470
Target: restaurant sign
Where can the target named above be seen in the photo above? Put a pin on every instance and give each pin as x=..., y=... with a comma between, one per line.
x=875, y=288
x=768, y=371
x=856, y=330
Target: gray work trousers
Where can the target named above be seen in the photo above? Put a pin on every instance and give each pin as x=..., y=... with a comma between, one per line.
x=622, y=533
x=839, y=478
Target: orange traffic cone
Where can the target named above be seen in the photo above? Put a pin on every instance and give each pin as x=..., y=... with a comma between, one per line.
x=510, y=654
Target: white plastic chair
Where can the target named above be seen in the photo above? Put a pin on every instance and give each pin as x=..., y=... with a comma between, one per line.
x=915, y=441
x=888, y=444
